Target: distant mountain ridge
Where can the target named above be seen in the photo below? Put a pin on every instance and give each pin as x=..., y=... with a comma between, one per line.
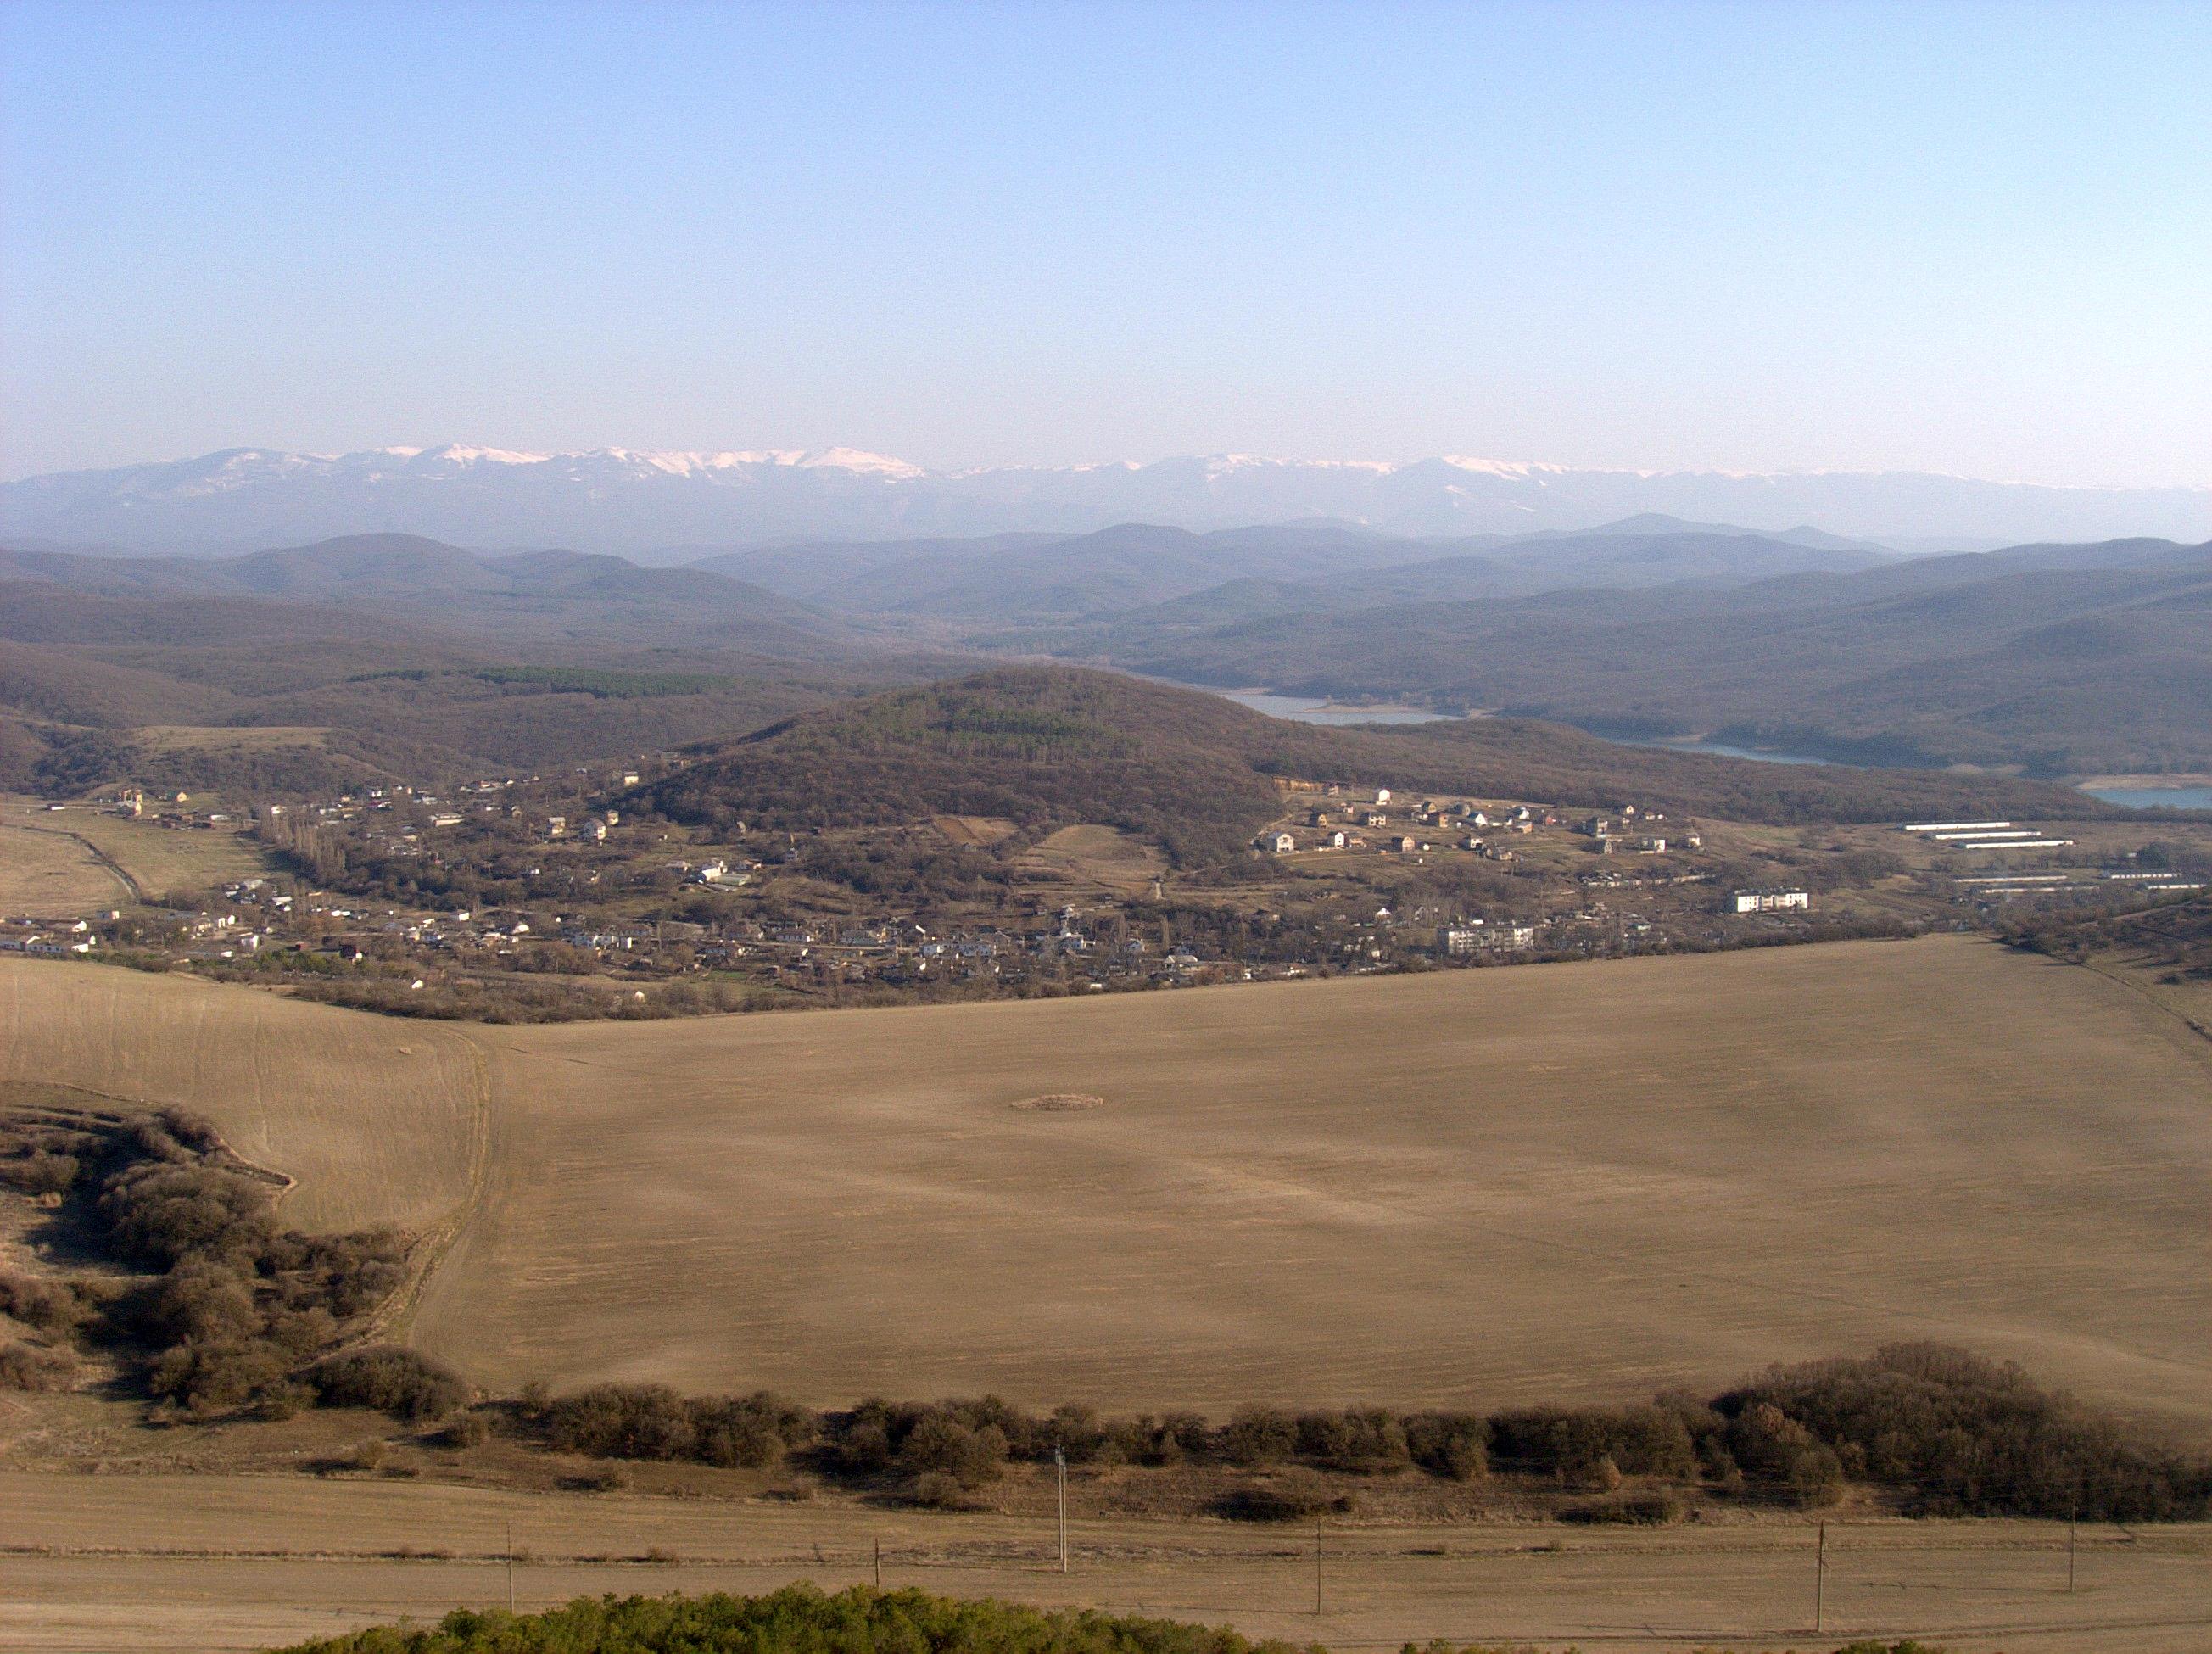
x=2060, y=658
x=632, y=501
x=551, y=595
x=1132, y=568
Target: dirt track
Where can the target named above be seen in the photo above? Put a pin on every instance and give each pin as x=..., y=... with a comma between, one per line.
x=196, y=1563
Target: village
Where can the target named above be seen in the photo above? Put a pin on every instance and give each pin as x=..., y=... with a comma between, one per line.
x=549, y=896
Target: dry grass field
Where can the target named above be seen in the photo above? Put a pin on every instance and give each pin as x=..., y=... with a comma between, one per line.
x=1097, y=859
x=1542, y=1182
x=1488, y=1187
x=150, y=857
x=156, y=1562
x=1563, y=1183
x=378, y=1121
x=48, y=872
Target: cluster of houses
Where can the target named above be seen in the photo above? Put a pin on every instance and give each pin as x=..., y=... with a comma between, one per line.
x=48, y=937
x=1349, y=827
x=169, y=810
x=1634, y=830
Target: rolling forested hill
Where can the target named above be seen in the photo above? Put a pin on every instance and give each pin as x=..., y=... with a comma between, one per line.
x=2061, y=660
x=521, y=597
x=1049, y=746
x=385, y=657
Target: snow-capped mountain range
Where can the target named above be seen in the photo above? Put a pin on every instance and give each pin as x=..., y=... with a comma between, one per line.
x=625, y=500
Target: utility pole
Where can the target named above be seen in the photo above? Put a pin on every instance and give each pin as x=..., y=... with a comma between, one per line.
x=2073, y=1537
x=1819, y=1579
x=510, y=1565
x=1060, y=1465
x=879, y=1561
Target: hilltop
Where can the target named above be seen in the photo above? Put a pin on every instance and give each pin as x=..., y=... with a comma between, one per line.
x=1038, y=746
x=1048, y=746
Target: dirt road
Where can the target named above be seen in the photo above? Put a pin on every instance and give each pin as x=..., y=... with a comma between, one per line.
x=157, y=1563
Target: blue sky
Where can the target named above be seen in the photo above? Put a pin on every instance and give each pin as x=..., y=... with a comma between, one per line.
x=1974, y=239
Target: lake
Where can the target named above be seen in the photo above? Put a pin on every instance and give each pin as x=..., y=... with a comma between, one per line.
x=1305, y=710
x=1300, y=709
x=1722, y=750
x=2155, y=797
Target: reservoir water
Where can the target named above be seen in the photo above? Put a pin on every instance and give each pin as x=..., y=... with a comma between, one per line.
x=1301, y=709
x=2155, y=797
x=1306, y=710
x=1757, y=754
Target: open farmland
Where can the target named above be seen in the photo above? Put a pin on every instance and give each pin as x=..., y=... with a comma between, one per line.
x=1549, y=1182
x=1545, y=1183
x=142, y=857
x=46, y=871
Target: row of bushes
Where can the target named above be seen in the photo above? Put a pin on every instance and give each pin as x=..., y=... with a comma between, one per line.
x=1949, y=1431
x=969, y=1443
x=804, y=1620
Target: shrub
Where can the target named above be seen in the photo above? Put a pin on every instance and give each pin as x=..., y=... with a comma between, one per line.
x=366, y=1456
x=1956, y=1433
x=160, y=1213
x=466, y=1430
x=1365, y=1440
x=941, y=1444
x=621, y=1422
x=42, y=1172
x=936, y=1490
x=1574, y=1444
x=204, y=1302
x=752, y=1430
x=1259, y=1435
x=211, y=1377
x=1647, y=1509
x=1293, y=1495
x=49, y=1305
x=390, y=1378
x=285, y=1401
x=237, y=1303
x=36, y=1367
x=1455, y=1445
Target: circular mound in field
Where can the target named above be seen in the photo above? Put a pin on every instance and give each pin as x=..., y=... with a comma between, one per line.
x=1061, y=1102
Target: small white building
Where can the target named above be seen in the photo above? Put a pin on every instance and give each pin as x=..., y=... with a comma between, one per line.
x=1769, y=901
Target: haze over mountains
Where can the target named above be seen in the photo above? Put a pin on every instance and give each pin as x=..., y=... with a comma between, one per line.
x=2054, y=659
x=619, y=500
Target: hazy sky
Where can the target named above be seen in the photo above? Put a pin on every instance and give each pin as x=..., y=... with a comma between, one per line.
x=1974, y=238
